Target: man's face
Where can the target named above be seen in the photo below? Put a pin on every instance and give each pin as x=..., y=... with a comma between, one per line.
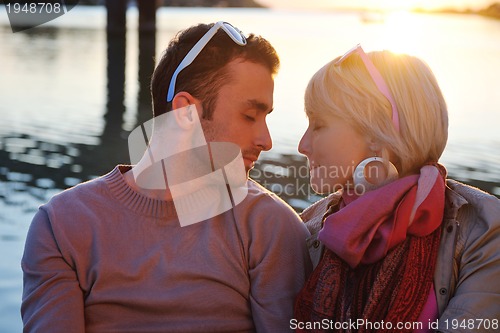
x=241, y=110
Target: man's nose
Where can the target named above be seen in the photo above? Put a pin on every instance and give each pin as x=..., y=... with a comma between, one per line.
x=263, y=138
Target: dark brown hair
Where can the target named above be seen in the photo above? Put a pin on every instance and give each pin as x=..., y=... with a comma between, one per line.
x=207, y=74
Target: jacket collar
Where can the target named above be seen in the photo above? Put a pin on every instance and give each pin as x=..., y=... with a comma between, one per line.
x=454, y=200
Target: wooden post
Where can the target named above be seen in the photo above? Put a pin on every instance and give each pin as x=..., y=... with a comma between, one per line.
x=117, y=16
x=116, y=30
x=147, y=49
x=147, y=16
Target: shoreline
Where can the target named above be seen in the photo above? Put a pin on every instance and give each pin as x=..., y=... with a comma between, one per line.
x=492, y=11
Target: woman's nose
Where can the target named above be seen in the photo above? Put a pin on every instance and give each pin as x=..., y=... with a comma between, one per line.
x=304, y=144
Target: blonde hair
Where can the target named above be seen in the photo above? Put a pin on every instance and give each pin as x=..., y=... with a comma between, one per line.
x=347, y=90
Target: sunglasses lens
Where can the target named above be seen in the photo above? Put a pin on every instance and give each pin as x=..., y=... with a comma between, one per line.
x=235, y=34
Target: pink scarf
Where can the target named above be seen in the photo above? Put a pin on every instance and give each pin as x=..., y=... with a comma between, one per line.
x=380, y=257
x=365, y=230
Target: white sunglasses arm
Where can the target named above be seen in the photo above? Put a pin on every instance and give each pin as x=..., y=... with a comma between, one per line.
x=192, y=54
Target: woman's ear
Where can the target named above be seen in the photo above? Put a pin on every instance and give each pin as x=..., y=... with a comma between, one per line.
x=374, y=145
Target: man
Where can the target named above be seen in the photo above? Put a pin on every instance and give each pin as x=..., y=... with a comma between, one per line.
x=112, y=254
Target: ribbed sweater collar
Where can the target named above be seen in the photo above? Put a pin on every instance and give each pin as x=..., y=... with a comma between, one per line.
x=135, y=201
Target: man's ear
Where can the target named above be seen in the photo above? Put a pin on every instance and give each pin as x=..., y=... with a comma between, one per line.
x=182, y=100
x=182, y=105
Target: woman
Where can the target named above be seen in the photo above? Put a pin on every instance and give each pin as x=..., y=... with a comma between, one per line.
x=399, y=248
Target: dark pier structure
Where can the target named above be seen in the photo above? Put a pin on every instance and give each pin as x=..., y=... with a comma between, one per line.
x=116, y=38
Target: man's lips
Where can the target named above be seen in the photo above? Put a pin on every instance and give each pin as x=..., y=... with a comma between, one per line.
x=250, y=159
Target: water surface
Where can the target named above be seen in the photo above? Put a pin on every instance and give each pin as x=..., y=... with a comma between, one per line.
x=54, y=132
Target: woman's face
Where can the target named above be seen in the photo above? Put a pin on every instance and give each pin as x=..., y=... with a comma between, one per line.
x=333, y=149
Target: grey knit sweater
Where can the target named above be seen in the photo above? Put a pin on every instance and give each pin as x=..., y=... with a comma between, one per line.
x=101, y=257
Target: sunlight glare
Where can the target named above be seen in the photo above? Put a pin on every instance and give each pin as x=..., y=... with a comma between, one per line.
x=403, y=33
x=380, y=5
x=391, y=5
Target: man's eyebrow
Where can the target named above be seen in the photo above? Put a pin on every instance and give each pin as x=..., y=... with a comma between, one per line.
x=259, y=106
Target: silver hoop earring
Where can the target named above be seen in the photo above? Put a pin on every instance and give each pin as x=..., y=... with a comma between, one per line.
x=360, y=181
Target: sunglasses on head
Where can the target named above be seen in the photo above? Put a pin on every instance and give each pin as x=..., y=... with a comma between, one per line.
x=235, y=34
x=376, y=77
